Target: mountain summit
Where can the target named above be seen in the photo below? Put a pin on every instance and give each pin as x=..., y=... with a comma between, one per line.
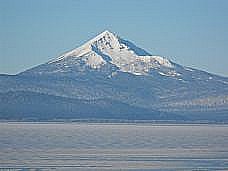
x=108, y=48
x=109, y=77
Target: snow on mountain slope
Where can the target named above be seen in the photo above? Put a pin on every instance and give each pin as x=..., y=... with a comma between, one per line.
x=109, y=48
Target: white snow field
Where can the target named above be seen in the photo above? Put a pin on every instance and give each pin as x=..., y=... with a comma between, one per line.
x=101, y=147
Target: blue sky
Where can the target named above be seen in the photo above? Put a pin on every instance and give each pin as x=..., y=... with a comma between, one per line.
x=189, y=32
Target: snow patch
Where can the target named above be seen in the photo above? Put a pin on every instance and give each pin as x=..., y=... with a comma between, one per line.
x=169, y=74
x=94, y=60
x=188, y=69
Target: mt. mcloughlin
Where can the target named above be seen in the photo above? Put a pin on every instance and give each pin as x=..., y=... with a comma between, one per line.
x=111, y=78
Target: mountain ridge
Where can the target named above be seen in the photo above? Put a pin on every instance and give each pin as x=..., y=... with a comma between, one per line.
x=109, y=67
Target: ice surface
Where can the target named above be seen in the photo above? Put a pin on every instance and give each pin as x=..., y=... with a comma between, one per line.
x=53, y=146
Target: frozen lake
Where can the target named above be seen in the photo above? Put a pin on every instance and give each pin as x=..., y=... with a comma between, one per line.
x=86, y=146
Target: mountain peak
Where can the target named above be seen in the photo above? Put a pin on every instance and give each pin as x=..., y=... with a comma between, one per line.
x=107, y=47
x=104, y=40
x=103, y=34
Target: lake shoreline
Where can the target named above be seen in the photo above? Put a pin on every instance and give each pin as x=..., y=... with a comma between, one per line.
x=116, y=121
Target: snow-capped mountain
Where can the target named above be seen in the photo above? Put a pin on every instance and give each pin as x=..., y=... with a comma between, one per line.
x=108, y=48
x=111, y=78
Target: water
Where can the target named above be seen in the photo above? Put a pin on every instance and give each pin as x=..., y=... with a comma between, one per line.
x=83, y=146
